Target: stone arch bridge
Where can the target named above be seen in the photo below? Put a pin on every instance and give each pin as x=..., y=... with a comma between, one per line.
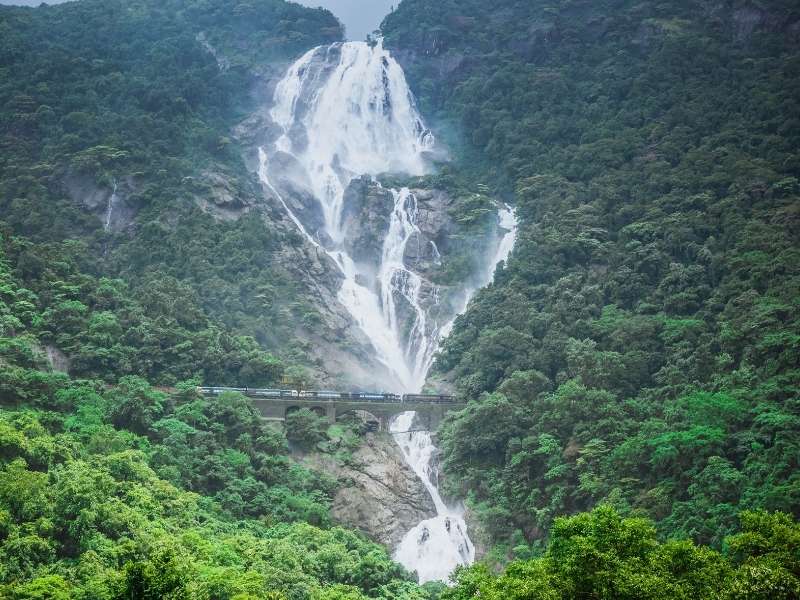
x=375, y=409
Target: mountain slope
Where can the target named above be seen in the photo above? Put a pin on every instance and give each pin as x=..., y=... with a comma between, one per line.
x=641, y=346
x=116, y=126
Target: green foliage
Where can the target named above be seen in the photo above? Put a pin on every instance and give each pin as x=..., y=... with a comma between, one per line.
x=88, y=522
x=131, y=491
x=305, y=427
x=641, y=346
x=144, y=94
x=92, y=500
x=603, y=556
x=107, y=330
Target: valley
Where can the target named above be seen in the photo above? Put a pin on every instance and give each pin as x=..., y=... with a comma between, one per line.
x=244, y=261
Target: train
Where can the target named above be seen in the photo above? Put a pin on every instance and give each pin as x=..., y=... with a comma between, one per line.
x=331, y=395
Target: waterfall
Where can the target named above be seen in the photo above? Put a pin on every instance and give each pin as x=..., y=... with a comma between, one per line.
x=344, y=111
x=112, y=200
x=356, y=116
x=437, y=545
x=396, y=279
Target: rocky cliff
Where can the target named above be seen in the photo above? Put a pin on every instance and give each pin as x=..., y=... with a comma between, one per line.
x=379, y=494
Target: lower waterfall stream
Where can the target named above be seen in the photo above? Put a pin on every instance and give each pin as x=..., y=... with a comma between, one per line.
x=437, y=545
x=345, y=111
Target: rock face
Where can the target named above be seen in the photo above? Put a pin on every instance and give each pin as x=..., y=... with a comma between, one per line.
x=380, y=494
x=368, y=208
x=57, y=359
x=365, y=220
x=424, y=251
x=478, y=534
x=333, y=341
x=113, y=206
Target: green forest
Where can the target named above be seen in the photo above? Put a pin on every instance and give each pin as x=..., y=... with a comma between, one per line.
x=632, y=375
x=115, y=91
x=641, y=347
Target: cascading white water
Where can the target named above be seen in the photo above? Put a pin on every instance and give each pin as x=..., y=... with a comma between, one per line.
x=437, y=545
x=345, y=111
x=112, y=200
x=395, y=278
x=508, y=222
x=359, y=118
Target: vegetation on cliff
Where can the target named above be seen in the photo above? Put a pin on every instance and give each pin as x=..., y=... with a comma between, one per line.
x=102, y=93
x=641, y=346
x=637, y=356
x=124, y=490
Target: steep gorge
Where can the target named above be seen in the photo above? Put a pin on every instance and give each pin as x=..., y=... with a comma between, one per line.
x=344, y=118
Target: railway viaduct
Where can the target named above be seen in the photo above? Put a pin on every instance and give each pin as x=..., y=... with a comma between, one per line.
x=379, y=411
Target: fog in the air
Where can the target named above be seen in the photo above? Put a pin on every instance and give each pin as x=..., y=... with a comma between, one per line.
x=360, y=17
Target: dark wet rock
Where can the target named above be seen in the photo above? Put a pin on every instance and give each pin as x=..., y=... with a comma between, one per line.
x=97, y=199
x=365, y=219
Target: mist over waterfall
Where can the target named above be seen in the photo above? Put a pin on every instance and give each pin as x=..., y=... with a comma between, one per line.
x=346, y=110
x=343, y=112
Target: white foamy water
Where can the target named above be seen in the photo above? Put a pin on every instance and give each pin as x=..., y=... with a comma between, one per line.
x=345, y=111
x=112, y=201
x=437, y=545
x=359, y=118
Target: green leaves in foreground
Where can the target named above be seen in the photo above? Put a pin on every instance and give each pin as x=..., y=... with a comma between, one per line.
x=87, y=520
x=603, y=556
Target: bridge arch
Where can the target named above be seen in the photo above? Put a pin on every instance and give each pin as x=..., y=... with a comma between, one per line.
x=370, y=420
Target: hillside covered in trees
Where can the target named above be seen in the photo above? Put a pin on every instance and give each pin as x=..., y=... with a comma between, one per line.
x=633, y=422
x=141, y=97
x=641, y=346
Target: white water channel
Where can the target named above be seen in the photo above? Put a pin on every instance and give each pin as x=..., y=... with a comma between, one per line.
x=345, y=111
x=112, y=201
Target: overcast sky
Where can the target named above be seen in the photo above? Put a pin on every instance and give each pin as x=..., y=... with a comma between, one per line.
x=360, y=17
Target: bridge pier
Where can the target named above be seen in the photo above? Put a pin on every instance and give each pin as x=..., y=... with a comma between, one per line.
x=330, y=413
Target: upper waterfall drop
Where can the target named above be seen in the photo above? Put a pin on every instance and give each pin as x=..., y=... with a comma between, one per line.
x=345, y=111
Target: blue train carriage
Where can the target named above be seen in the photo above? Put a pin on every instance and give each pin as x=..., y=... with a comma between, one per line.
x=217, y=390
x=435, y=398
x=275, y=393
x=262, y=393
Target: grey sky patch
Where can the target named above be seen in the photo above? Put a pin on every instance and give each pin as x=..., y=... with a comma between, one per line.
x=360, y=17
